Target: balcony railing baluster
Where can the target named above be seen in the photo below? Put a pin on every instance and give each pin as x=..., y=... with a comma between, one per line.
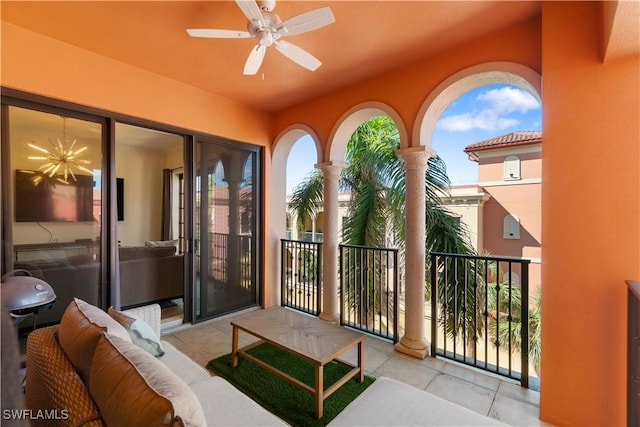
x=369, y=281
x=301, y=273
x=472, y=297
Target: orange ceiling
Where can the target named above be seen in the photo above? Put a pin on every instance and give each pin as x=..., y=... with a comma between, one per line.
x=368, y=38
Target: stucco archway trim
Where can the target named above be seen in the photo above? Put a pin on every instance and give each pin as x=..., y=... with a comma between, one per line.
x=465, y=80
x=349, y=122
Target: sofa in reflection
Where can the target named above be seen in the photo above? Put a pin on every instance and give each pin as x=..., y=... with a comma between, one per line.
x=147, y=274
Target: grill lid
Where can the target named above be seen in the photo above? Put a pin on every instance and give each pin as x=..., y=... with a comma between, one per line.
x=25, y=292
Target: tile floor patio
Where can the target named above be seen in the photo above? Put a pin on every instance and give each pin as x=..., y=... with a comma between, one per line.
x=482, y=393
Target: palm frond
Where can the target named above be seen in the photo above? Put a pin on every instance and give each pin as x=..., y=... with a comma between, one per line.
x=307, y=198
x=367, y=220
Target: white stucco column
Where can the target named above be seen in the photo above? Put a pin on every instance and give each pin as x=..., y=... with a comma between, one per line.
x=413, y=341
x=331, y=175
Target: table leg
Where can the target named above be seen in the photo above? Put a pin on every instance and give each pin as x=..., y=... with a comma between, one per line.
x=234, y=347
x=361, y=360
x=319, y=391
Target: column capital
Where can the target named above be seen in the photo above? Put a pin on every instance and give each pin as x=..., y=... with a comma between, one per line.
x=331, y=169
x=415, y=157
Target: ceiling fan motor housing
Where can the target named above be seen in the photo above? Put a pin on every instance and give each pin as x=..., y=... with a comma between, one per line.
x=265, y=35
x=267, y=5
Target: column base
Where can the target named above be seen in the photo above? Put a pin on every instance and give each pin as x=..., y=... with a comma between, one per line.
x=331, y=318
x=417, y=349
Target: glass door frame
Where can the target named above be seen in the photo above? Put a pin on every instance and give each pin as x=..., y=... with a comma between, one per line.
x=256, y=224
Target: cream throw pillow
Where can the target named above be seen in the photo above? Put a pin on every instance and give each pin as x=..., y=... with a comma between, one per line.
x=133, y=388
x=81, y=326
x=140, y=332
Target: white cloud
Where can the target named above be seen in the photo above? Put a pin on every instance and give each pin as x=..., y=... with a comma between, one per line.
x=485, y=120
x=494, y=113
x=506, y=100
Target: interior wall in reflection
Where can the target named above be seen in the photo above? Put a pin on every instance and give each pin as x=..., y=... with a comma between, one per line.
x=149, y=165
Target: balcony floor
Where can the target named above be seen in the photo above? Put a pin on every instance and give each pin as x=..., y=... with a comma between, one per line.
x=485, y=394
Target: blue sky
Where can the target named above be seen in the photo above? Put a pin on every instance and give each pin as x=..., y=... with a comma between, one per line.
x=477, y=115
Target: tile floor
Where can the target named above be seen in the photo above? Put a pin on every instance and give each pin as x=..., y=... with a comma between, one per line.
x=485, y=394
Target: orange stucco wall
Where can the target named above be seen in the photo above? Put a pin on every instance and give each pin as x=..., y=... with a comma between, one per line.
x=492, y=169
x=405, y=90
x=590, y=216
x=44, y=66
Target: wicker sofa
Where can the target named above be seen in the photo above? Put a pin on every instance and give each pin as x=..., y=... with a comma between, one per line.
x=88, y=371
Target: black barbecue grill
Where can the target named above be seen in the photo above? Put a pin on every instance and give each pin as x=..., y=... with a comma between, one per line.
x=24, y=295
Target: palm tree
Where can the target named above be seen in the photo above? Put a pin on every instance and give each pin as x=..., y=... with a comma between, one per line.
x=376, y=181
x=505, y=321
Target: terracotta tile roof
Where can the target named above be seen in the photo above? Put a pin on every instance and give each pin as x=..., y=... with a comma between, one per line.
x=509, y=140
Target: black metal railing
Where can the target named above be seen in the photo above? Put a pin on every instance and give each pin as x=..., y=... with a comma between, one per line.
x=480, y=312
x=369, y=283
x=301, y=275
x=229, y=265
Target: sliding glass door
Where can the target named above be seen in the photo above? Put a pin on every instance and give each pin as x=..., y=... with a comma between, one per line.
x=226, y=221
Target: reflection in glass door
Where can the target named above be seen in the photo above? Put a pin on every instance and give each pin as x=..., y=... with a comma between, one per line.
x=53, y=169
x=226, y=201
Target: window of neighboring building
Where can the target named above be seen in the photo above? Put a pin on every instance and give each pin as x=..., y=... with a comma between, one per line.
x=511, y=168
x=511, y=227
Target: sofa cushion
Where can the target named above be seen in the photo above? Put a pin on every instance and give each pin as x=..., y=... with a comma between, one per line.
x=225, y=405
x=140, y=332
x=81, y=326
x=132, y=388
x=181, y=365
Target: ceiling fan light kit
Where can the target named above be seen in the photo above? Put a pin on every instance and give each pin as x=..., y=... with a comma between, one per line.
x=267, y=28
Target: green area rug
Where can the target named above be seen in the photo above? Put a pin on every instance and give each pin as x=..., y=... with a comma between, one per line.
x=281, y=398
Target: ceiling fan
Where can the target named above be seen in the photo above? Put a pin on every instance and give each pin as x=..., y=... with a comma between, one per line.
x=268, y=30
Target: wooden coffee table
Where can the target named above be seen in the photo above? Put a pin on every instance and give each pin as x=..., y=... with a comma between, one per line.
x=313, y=339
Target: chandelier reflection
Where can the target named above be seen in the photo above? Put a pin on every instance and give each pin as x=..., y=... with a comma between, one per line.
x=62, y=159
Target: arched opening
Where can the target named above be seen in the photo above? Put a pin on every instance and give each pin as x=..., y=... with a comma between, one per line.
x=496, y=194
x=277, y=226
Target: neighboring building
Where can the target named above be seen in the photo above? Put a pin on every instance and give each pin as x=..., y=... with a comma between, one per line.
x=509, y=180
x=467, y=202
x=313, y=231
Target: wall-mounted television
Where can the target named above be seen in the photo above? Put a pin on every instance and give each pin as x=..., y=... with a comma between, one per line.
x=53, y=201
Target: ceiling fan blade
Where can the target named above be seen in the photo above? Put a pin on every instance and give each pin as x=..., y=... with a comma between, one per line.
x=218, y=34
x=298, y=55
x=254, y=61
x=307, y=21
x=251, y=11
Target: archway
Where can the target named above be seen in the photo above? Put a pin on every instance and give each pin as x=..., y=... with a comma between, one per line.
x=276, y=227
x=464, y=81
x=349, y=122
x=331, y=168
